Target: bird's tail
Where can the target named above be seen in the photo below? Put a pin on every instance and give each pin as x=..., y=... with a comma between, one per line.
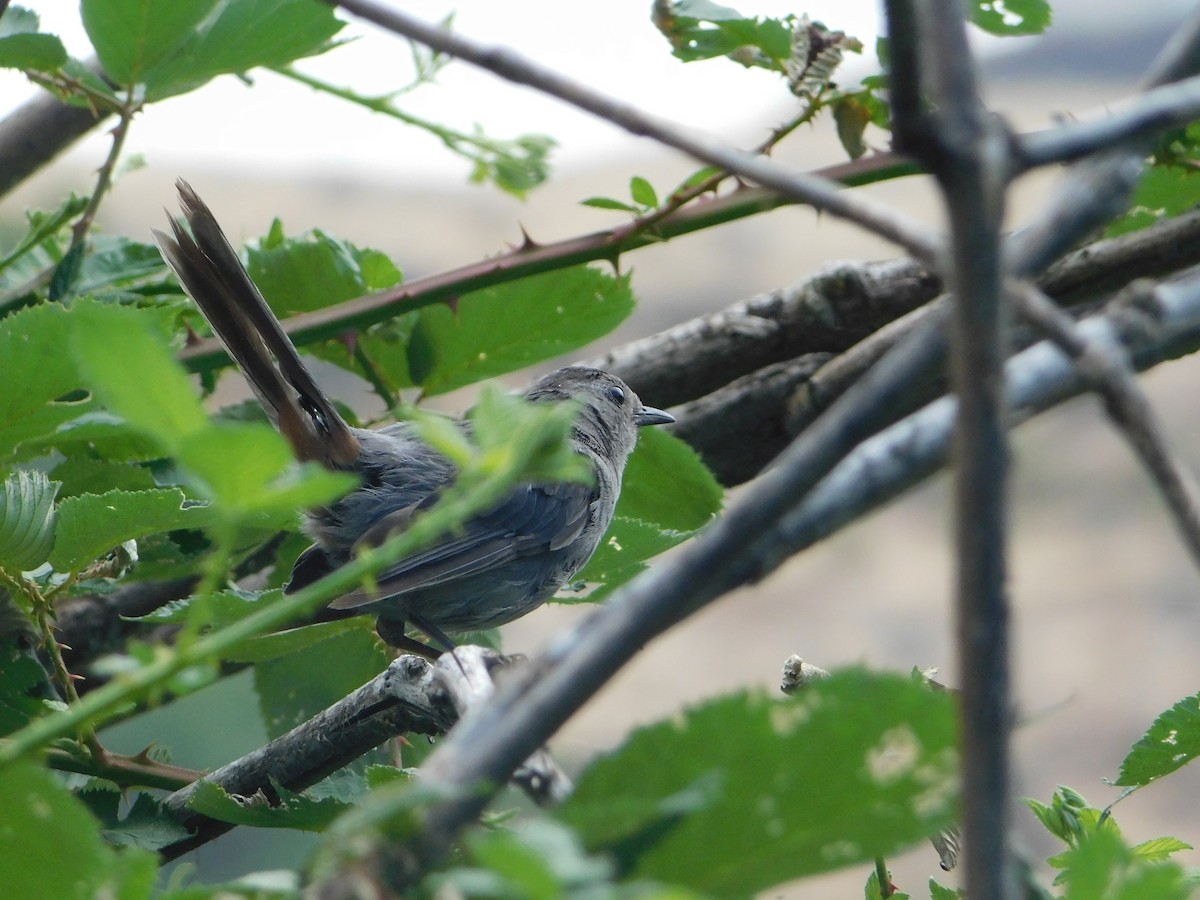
x=210, y=271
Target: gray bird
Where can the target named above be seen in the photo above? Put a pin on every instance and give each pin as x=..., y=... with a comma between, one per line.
x=502, y=563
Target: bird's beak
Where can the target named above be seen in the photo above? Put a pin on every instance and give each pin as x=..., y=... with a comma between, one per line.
x=648, y=415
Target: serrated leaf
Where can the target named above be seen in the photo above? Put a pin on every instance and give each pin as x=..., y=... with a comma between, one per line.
x=147, y=824
x=41, y=818
x=212, y=610
x=123, y=353
x=172, y=46
x=1158, y=849
x=761, y=791
x=294, y=688
x=294, y=640
x=621, y=556
x=27, y=520
x=1170, y=743
x=43, y=225
x=667, y=494
x=295, y=811
x=37, y=377
x=42, y=52
x=700, y=29
x=315, y=270
x=1101, y=867
x=89, y=525
x=507, y=327
x=84, y=475
x=249, y=470
x=1011, y=17
x=22, y=47
x=23, y=683
x=666, y=483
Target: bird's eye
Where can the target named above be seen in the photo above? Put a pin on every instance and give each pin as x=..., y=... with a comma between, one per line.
x=616, y=395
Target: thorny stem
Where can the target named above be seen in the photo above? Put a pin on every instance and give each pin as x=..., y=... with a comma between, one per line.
x=881, y=875
x=43, y=615
x=104, y=178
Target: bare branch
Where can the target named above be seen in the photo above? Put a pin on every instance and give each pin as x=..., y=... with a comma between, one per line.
x=36, y=132
x=410, y=696
x=1129, y=409
x=1100, y=187
x=968, y=153
x=1172, y=105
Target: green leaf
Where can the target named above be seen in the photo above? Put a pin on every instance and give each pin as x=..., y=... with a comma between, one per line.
x=608, y=203
x=1158, y=849
x=295, y=811
x=214, y=610
x=667, y=494
x=89, y=525
x=123, y=352
x=294, y=640
x=1011, y=17
x=508, y=327
x=939, y=892
x=760, y=791
x=21, y=47
x=699, y=29
x=621, y=556
x=42, y=226
x=536, y=859
x=24, y=681
x=1170, y=743
x=132, y=37
x=666, y=483
x=118, y=268
x=84, y=475
x=852, y=118
x=1103, y=868
x=172, y=46
x=1163, y=192
x=147, y=824
x=294, y=688
x=37, y=378
x=642, y=192
x=26, y=520
x=872, y=891
x=315, y=270
x=41, y=818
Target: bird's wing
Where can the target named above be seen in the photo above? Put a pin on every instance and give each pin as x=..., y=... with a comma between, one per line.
x=533, y=518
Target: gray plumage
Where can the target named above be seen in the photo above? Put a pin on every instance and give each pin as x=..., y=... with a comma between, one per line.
x=502, y=563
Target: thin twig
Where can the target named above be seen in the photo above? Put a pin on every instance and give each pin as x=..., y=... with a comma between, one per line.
x=1127, y=406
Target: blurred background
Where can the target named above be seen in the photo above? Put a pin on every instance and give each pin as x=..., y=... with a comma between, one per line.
x=1106, y=603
